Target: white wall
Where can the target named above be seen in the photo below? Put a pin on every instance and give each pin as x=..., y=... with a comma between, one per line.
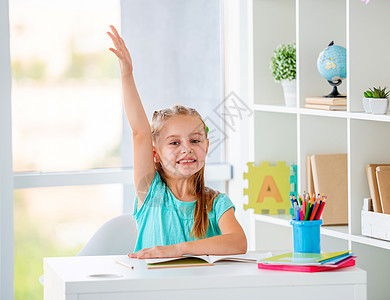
x=176, y=48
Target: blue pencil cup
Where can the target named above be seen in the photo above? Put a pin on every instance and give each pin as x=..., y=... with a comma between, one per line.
x=306, y=236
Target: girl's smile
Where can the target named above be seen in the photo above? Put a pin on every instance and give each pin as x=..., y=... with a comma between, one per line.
x=186, y=161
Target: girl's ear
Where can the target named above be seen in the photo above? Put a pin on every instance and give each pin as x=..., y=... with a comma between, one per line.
x=207, y=146
x=156, y=157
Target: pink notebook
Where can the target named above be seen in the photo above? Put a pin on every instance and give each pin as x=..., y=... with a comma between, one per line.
x=348, y=262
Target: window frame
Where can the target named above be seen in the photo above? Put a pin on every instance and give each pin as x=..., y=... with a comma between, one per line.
x=6, y=177
x=125, y=176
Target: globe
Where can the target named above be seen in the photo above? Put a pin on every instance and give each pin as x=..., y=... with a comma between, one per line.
x=332, y=65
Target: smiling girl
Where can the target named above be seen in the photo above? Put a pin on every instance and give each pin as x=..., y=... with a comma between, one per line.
x=176, y=213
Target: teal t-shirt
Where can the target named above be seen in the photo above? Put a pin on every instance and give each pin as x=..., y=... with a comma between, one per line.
x=164, y=220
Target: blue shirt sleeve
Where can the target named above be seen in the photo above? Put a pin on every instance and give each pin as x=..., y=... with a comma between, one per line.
x=221, y=204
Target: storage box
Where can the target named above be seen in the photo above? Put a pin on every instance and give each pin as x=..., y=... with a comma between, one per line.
x=376, y=225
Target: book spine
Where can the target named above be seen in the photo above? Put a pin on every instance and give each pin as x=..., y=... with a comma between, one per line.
x=373, y=187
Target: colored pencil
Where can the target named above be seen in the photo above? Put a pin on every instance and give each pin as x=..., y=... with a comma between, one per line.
x=318, y=210
x=321, y=209
x=307, y=209
x=317, y=204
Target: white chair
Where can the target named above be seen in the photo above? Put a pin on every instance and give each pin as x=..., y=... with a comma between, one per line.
x=116, y=236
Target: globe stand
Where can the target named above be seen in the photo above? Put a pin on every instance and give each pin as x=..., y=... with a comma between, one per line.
x=335, y=93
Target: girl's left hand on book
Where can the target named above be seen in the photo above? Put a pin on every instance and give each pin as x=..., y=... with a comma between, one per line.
x=157, y=252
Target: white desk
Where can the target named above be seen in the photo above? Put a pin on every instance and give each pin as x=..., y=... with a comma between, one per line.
x=69, y=278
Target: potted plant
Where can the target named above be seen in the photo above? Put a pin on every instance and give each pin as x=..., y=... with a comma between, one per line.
x=376, y=100
x=284, y=70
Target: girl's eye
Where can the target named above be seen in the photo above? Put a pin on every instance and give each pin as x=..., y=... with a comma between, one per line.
x=195, y=141
x=173, y=143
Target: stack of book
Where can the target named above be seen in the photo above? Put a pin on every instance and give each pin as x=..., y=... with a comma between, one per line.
x=378, y=177
x=376, y=210
x=326, y=103
x=308, y=262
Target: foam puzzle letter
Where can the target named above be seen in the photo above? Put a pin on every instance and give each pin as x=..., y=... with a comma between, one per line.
x=268, y=188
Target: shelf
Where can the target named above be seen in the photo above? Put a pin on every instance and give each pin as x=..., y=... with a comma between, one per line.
x=296, y=110
x=369, y=117
x=275, y=108
x=284, y=220
x=370, y=241
x=340, y=232
x=325, y=113
x=318, y=112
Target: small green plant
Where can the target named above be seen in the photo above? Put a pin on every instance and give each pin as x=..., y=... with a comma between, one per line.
x=283, y=62
x=377, y=93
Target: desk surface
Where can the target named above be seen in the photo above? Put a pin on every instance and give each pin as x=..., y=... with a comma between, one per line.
x=101, y=274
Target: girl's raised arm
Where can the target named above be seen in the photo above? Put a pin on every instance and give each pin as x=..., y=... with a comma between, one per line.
x=144, y=169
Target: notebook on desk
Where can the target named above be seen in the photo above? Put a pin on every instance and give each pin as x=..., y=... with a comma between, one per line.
x=307, y=259
x=202, y=260
x=347, y=262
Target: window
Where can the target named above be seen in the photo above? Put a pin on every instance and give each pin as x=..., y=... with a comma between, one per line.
x=56, y=221
x=66, y=95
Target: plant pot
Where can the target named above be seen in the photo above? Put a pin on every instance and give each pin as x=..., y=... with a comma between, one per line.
x=366, y=105
x=290, y=92
x=379, y=106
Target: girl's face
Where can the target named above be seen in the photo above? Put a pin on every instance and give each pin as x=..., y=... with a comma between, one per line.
x=182, y=146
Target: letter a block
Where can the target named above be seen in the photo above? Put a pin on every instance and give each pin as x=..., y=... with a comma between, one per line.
x=268, y=188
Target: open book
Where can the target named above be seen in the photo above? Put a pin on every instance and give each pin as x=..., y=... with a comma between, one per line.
x=202, y=260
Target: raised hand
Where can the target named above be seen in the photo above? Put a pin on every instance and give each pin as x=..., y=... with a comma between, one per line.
x=121, y=52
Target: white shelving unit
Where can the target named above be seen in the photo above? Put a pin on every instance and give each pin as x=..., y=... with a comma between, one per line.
x=291, y=133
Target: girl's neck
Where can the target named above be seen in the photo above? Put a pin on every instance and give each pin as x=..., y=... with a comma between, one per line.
x=180, y=189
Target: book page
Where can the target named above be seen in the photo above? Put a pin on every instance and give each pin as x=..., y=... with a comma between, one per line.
x=182, y=262
x=248, y=257
x=161, y=260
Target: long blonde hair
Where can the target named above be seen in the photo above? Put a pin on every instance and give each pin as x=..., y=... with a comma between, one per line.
x=205, y=195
